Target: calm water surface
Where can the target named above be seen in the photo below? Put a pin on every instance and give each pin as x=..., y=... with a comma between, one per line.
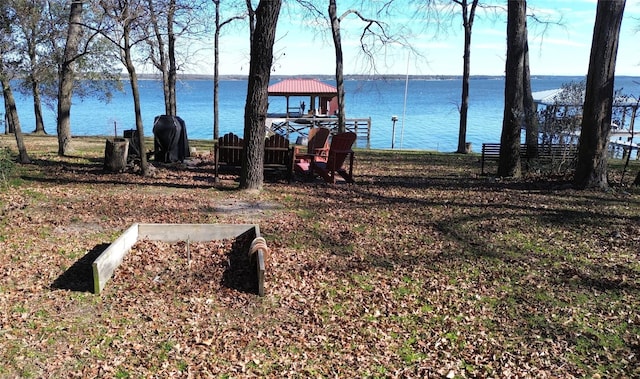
x=429, y=122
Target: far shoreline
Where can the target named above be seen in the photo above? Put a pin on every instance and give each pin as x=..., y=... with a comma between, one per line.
x=323, y=77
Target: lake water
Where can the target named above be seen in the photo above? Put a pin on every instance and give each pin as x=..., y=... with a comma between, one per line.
x=430, y=121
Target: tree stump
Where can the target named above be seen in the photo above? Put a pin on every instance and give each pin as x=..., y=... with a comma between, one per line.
x=468, y=148
x=115, y=154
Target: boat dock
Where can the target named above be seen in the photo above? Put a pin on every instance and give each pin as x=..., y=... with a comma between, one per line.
x=320, y=111
x=297, y=129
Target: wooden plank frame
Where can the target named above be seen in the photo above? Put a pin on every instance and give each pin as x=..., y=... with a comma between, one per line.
x=105, y=265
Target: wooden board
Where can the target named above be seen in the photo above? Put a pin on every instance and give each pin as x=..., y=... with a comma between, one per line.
x=111, y=258
x=261, y=271
x=105, y=265
x=193, y=232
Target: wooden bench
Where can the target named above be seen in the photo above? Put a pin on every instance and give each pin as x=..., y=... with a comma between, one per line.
x=547, y=154
x=278, y=156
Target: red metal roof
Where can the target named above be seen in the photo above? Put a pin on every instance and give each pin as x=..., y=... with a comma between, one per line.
x=301, y=87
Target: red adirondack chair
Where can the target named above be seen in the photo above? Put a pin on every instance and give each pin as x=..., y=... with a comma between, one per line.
x=317, y=146
x=339, y=150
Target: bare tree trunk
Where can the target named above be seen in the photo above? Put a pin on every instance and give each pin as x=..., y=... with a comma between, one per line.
x=161, y=63
x=530, y=111
x=127, y=16
x=467, y=22
x=65, y=87
x=35, y=90
x=337, y=44
x=216, y=63
x=591, y=169
x=216, y=72
x=13, y=120
x=135, y=92
x=509, y=164
x=252, y=20
x=255, y=111
x=171, y=42
x=37, y=108
x=8, y=127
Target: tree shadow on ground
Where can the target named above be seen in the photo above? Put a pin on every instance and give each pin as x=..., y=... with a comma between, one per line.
x=91, y=173
x=589, y=274
x=241, y=273
x=603, y=278
x=88, y=159
x=198, y=174
x=79, y=277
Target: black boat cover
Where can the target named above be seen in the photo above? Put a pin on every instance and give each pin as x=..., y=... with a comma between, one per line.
x=170, y=139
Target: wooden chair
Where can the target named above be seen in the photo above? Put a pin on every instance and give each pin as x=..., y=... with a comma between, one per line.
x=278, y=156
x=339, y=150
x=317, y=146
x=228, y=150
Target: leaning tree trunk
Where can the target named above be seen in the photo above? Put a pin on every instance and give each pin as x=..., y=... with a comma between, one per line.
x=135, y=92
x=591, y=169
x=8, y=128
x=337, y=44
x=37, y=108
x=13, y=120
x=65, y=86
x=509, y=164
x=126, y=49
x=255, y=111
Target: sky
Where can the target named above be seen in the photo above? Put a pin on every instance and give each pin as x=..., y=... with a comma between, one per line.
x=305, y=48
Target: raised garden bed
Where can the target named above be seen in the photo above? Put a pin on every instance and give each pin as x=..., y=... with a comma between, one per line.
x=182, y=255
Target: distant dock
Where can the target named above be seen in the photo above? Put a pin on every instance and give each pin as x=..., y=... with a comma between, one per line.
x=311, y=103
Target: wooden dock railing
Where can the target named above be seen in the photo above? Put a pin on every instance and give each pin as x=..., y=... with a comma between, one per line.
x=300, y=126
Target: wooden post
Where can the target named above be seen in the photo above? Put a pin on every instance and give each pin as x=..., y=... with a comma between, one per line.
x=115, y=154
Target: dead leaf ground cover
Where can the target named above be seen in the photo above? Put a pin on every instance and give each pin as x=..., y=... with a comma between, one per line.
x=422, y=269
